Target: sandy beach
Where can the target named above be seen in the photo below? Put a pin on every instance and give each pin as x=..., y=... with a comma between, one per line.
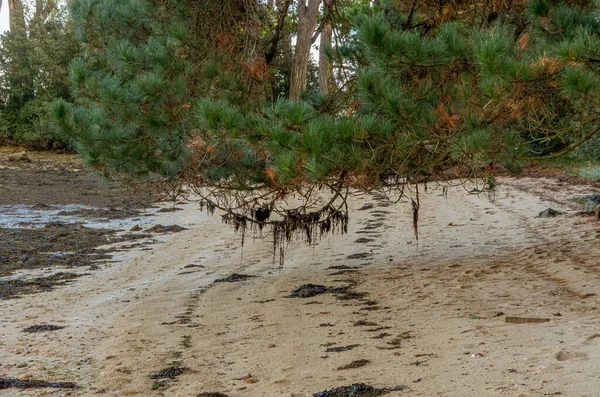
x=491, y=301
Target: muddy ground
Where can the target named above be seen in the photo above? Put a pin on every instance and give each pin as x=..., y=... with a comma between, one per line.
x=54, y=178
x=490, y=301
x=59, y=184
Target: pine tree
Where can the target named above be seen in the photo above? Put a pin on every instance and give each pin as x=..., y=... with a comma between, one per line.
x=177, y=94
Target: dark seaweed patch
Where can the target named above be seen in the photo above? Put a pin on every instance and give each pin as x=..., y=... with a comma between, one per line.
x=55, y=244
x=14, y=288
x=372, y=225
x=342, y=293
x=363, y=323
x=360, y=255
x=167, y=373
x=266, y=301
x=310, y=290
x=357, y=390
x=340, y=348
x=346, y=296
x=234, y=278
x=371, y=308
x=341, y=267
x=43, y=328
x=193, y=265
x=42, y=206
x=364, y=240
x=378, y=329
x=170, y=209
x=354, y=364
x=7, y=383
x=381, y=335
x=166, y=229
x=209, y=394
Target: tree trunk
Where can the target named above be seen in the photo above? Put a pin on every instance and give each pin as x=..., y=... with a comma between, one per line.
x=308, y=13
x=43, y=9
x=284, y=6
x=16, y=15
x=325, y=68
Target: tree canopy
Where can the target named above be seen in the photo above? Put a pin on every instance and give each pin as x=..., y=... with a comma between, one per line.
x=34, y=62
x=191, y=96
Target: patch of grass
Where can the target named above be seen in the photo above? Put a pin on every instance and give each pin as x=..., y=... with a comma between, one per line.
x=588, y=172
x=565, y=162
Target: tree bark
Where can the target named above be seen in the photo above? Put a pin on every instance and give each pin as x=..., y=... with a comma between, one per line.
x=43, y=10
x=325, y=67
x=308, y=13
x=16, y=15
x=283, y=10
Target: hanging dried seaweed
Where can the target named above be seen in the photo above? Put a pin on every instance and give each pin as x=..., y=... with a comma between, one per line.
x=415, y=213
x=415, y=210
x=239, y=222
x=261, y=215
x=309, y=225
x=207, y=206
x=294, y=224
x=307, y=222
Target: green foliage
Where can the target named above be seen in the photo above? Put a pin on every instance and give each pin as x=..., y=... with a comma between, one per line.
x=590, y=150
x=433, y=96
x=538, y=8
x=578, y=82
x=130, y=88
x=142, y=87
x=34, y=60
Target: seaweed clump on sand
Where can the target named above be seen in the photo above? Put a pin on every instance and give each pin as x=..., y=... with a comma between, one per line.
x=56, y=244
x=7, y=383
x=167, y=373
x=354, y=364
x=342, y=293
x=357, y=390
x=165, y=229
x=340, y=348
x=310, y=290
x=209, y=394
x=42, y=328
x=15, y=288
x=234, y=278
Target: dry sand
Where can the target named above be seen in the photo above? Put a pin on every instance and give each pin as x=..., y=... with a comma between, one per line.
x=432, y=317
